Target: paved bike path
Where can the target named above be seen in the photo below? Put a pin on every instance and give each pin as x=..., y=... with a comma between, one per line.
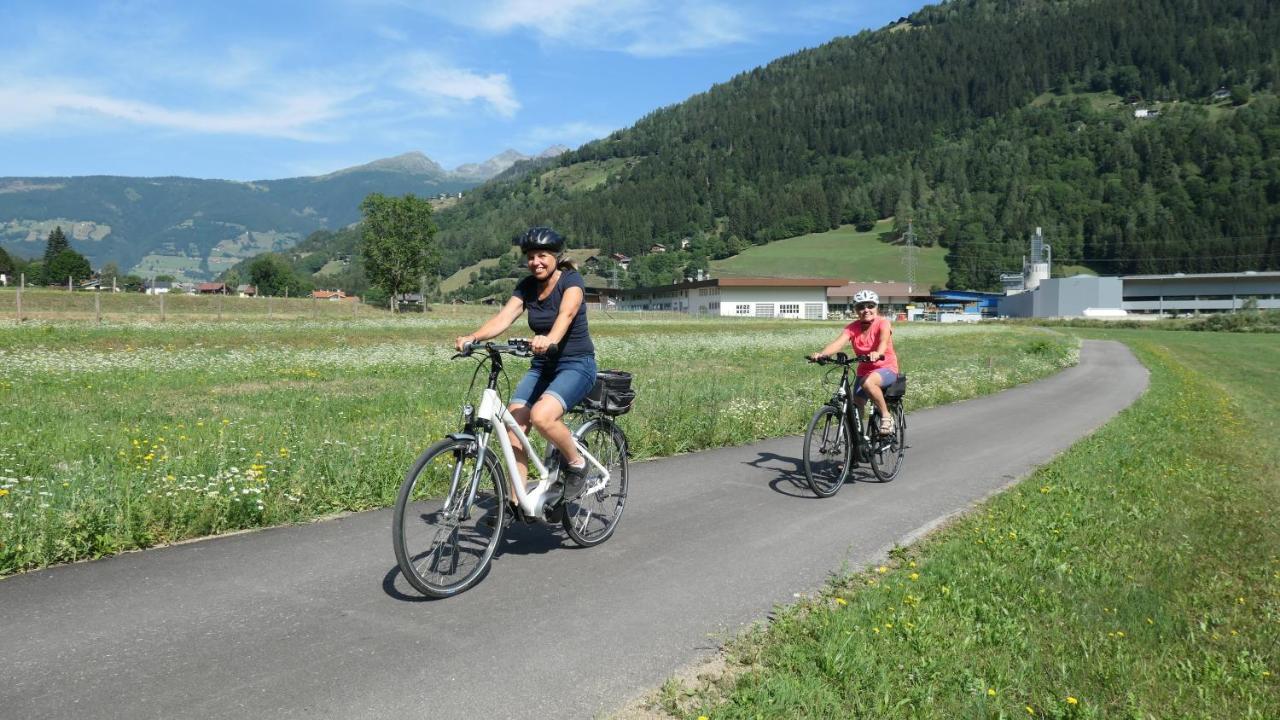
x=314, y=621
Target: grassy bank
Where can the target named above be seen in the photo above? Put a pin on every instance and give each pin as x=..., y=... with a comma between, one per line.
x=127, y=436
x=1136, y=576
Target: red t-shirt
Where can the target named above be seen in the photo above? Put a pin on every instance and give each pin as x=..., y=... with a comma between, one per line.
x=867, y=341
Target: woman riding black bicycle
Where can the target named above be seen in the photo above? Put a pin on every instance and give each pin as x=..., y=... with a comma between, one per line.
x=563, y=370
x=871, y=336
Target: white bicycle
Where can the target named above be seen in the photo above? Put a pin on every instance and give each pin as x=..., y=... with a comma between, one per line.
x=452, y=508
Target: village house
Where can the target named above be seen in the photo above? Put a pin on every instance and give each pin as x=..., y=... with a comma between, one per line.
x=244, y=290
x=210, y=288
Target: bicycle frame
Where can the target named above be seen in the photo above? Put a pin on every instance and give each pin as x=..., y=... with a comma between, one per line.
x=531, y=500
x=850, y=412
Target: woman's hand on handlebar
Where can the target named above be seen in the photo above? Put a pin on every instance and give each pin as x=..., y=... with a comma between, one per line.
x=817, y=357
x=462, y=341
x=541, y=344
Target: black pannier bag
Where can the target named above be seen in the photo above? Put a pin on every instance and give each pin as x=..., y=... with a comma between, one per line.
x=897, y=389
x=612, y=394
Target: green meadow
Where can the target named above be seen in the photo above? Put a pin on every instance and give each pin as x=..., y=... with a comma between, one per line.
x=131, y=434
x=841, y=253
x=1135, y=576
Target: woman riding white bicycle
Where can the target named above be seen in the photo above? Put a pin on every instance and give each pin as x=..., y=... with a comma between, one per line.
x=871, y=335
x=564, y=366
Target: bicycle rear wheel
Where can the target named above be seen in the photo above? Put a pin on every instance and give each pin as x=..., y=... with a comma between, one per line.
x=591, y=518
x=827, y=451
x=444, y=536
x=887, y=450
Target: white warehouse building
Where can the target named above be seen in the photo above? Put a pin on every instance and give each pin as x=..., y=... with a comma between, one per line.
x=793, y=298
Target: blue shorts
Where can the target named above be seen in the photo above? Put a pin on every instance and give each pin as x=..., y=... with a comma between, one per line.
x=887, y=377
x=568, y=380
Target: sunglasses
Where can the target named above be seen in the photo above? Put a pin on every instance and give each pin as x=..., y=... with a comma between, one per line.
x=864, y=306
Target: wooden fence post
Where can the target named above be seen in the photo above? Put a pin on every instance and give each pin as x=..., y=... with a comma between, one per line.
x=97, y=307
x=220, y=296
x=22, y=284
x=162, y=306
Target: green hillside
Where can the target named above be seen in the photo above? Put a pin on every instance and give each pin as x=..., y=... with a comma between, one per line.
x=979, y=119
x=840, y=253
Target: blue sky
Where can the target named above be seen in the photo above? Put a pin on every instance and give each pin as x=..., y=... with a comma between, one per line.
x=265, y=89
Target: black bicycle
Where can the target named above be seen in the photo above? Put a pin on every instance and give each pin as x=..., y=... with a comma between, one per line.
x=837, y=439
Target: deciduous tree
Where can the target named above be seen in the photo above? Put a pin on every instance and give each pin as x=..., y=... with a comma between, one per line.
x=398, y=242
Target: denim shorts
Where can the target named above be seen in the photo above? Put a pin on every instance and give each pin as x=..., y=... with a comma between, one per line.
x=887, y=377
x=568, y=380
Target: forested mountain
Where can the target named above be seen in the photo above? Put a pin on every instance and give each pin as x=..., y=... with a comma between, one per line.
x=196, y=229
x=978, y=119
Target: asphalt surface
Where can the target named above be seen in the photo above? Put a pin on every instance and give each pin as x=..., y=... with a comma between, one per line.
x=315, y=621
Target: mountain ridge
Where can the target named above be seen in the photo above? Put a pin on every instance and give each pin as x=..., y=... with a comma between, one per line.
x=195, y=228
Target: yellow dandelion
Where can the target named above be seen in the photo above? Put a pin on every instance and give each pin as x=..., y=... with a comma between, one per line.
x=1072, y=701
x=991, y=692
x=841, y=601
x=882, y=569
x=3, y=492
x=915, y=576
x=1031, y=711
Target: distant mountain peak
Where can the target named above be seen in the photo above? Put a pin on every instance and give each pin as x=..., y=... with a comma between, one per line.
x=413, y=163
x=500, y=162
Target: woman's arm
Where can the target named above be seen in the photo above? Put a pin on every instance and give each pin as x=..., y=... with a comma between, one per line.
x=886, y=330
x=495, y=325
x=569, y=304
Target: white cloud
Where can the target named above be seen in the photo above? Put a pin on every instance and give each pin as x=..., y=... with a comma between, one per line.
x=646, y=29
x=439, y=82
x=292, y=117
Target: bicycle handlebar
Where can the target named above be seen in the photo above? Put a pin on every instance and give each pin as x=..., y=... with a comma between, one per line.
x=839, y=359
x=519, y=347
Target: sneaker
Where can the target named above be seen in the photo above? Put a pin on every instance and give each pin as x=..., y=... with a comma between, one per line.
x=575, y=479
x=886, y=425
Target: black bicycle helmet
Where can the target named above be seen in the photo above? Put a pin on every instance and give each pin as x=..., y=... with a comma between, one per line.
x=540, y=238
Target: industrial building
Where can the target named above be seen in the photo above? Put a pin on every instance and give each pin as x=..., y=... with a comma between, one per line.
x=1182, y=293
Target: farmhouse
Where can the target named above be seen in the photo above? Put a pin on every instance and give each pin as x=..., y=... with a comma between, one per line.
x=335, y=295
x=210, y=288
x=793, y=298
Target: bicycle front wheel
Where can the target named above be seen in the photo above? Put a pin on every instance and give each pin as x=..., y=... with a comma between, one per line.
x=444, y=532
x=591, y=518
x=887, y=450
x=827, y=451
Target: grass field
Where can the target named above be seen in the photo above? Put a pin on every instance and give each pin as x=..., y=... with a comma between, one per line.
x=128, y=435
x=43, y=304
x=1136, y=576
x=843, y=253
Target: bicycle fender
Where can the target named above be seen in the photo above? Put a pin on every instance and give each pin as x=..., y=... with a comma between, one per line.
x=461, y=436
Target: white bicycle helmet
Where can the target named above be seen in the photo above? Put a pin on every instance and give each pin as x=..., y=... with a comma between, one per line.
x=866, y=296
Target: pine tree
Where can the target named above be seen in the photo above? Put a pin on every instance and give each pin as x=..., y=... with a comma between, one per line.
x=56, y=244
